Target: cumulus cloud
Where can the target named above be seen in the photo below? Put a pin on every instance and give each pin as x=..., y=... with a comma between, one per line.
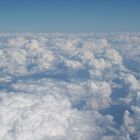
x=69, y=86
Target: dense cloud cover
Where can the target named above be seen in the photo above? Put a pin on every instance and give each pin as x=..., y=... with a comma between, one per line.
x=69, y=86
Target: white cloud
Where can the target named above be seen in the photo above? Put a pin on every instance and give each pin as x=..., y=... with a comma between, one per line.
x=64, y=86
x=16, y=42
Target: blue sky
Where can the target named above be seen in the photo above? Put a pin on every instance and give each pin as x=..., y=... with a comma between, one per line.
x=69, y=15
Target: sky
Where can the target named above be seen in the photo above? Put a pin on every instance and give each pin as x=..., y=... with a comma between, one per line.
x=69, y=86
x=69, y=15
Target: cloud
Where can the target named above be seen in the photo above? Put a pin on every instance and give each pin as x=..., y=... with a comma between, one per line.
x=59, y=86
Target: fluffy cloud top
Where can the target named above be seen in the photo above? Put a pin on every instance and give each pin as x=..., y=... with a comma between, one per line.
x=69, y=86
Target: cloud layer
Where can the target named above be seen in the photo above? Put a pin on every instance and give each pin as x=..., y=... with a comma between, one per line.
x=69, y=86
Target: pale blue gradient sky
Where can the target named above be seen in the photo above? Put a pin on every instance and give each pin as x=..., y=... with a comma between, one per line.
x=69, y=15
